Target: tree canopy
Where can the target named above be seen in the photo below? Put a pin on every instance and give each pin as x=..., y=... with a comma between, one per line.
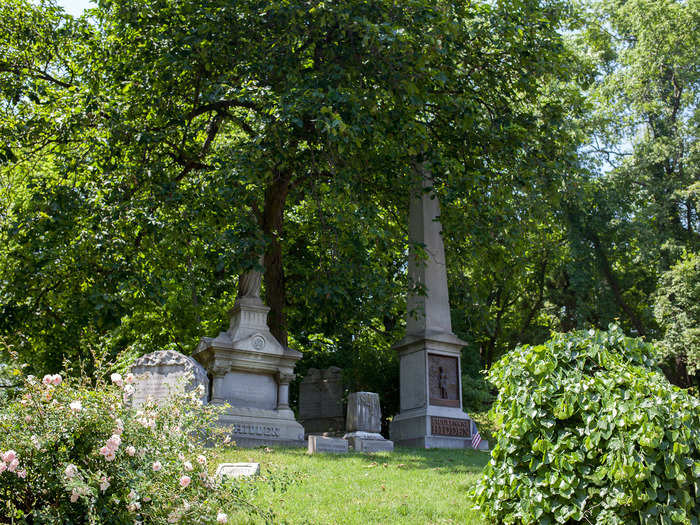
x=152, y=151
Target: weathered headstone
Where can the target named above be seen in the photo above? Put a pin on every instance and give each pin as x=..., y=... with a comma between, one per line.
x=319, y=444
x=237, y=470
x=250, y=371
x=431, y=413
x=160, y=374
x=364, y=422
x=321, y=401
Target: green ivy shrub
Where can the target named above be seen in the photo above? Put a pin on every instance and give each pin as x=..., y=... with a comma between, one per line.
x=73, y=452
x=590, y=432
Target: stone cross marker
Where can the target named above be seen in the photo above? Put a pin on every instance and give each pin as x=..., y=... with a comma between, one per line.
x=160, y=374
x=431, y=413
x=364, y=422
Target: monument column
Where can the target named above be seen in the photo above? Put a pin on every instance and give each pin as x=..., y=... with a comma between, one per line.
x=283, y=381
x=431, y=413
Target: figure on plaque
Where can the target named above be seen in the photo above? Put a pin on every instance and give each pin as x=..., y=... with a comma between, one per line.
x=442, y=383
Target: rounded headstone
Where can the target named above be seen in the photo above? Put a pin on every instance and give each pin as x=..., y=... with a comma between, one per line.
x=159, y=374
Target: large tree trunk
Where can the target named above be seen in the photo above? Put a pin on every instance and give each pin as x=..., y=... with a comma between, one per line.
x=609, y=275
x=272, y=223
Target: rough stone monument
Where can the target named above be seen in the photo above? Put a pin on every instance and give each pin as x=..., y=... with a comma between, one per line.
x=364, y=422
x=250, y=370
x=431, y=413
x=160, y=374
x=321, y=401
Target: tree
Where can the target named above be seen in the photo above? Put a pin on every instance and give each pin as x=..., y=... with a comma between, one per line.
x=203, y=129
x=677, y=310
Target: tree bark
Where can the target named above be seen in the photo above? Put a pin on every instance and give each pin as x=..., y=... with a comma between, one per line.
x=272, y=225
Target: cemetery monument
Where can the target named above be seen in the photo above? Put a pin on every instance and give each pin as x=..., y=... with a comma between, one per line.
x=160, y=374
x=321, y=401
x=250, y=370
x=364, y=422
x=431, y=414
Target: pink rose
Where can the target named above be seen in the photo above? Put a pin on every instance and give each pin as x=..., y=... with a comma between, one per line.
x=71, y=471
x=104, y=450
x=187, y=465
x=111, y=456
x=56, y=379
x=185, y=481
x=3, y=467
x=22, y=473
x=201, y=460
x=157, y=466
x=117, y=379
x=130, y=450
x=8, y=456
x=12, y=466
x=129, y=378
x=114, y=442
x=47, y=379
x=104, y=483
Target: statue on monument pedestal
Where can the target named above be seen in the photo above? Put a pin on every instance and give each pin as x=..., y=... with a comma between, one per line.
x=250, y=371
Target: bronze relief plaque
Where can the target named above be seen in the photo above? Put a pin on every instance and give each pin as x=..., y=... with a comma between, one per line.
x=443, y=380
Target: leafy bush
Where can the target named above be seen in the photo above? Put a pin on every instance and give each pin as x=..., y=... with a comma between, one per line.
x=591, y=431
x=677, y=310
x=74, y=453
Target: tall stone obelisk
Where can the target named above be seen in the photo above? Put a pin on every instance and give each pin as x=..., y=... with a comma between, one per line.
x=431, y=413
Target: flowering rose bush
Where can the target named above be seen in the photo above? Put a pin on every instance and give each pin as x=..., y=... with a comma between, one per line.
x=71, y=452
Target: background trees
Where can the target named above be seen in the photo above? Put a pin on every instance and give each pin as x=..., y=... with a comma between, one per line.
x=153, y=151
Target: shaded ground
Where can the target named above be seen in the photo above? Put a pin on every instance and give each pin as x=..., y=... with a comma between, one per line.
x=409, y=486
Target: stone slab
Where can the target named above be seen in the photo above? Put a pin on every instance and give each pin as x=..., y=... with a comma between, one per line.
x=319, y=444
x=237, y=470
x=371, y=445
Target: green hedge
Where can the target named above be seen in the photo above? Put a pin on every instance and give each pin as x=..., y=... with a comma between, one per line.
x=590, y=432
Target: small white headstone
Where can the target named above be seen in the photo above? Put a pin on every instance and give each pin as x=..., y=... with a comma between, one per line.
x=327, y=444
x=159, y=374
x=237, y=470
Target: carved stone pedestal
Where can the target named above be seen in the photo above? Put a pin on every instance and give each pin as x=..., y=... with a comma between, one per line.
x=250, y=370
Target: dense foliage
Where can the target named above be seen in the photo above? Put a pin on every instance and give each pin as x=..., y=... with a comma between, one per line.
x=152, y=151
x=677, y=310
x=74, y=452
x=591, y=432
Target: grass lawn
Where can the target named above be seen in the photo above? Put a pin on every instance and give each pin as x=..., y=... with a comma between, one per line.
x=406, y=486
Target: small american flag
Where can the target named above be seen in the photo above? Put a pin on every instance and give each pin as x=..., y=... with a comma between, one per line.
x=476, y=437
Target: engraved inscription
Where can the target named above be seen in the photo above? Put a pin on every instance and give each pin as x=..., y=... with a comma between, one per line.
x=447, y=426
x=444, y=380
x=256, y=430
